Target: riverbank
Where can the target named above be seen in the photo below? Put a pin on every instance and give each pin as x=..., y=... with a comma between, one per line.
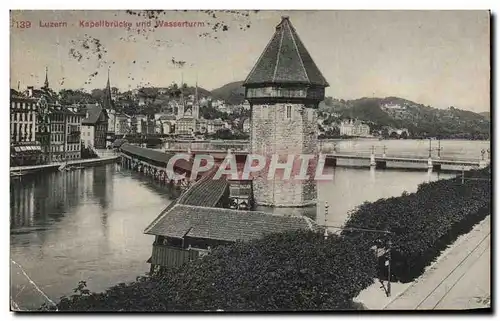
x=24, y=170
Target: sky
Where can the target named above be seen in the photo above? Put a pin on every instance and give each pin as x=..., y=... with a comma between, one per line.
x=438, y=58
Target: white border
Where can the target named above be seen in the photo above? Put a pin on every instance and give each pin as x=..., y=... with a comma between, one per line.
x=255, y=4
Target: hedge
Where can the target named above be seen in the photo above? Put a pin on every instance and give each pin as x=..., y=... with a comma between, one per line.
x=280, y=272
x=426, y=222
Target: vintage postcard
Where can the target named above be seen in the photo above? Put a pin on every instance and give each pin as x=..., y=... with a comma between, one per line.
x=257, y=161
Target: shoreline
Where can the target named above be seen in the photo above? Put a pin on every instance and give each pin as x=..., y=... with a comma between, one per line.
x=28, y=170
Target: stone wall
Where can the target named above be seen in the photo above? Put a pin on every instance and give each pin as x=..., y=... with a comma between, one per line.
x=273, y=132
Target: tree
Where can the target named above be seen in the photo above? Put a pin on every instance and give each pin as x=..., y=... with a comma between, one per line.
x=97, y=94
x=72, y=97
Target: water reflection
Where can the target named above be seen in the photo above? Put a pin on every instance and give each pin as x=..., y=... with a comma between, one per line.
x=81, y=225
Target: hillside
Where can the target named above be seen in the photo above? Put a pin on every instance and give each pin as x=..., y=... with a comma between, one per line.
x=233, y=93
x=486, y=115
x=420, y=120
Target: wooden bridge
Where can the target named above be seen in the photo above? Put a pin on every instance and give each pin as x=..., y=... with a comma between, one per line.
x=154, y=163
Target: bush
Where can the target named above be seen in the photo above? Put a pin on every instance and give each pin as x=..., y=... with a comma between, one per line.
x=426, y=222
x=285, y=271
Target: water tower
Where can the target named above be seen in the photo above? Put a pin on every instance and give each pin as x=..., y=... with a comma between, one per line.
x=284, y=89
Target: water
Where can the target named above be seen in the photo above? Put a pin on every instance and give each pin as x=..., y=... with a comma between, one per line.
x=351, y=187
x=88, y=225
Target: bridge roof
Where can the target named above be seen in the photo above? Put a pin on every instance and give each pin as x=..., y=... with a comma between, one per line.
x=156, y=155
x=223, y=224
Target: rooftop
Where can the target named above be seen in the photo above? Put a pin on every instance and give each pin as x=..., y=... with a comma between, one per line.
x=223, y=224
x=205, y=192
x=285, y=60
x=94, y=112
x=155, y=155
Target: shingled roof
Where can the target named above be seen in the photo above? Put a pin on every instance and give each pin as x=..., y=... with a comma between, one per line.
x=285, y=60
x=223, y=224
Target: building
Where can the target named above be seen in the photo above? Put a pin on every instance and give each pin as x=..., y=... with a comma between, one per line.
x=94, y=127
x=57, y=120
x=118, y=123
x=25, y=149
x=188, y=115
x=202, y=219
x=186, y=126
x=165, y=125
x=73, y=141
x=284, y=90
x=214, y=125
x=354, y=128
x=143, y=125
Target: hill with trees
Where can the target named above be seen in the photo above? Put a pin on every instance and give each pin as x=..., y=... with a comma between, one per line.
x=419, y=119
x=233, y=93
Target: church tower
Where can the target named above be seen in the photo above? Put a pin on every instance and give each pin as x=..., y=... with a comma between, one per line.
x=46, y=83
x=107, y=102
x=284, y=89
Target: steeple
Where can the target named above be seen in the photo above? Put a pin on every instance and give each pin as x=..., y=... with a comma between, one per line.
x=46, y=83
x=107, y=101
x=285, y=60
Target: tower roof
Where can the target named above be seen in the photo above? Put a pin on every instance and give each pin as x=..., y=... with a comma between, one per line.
x=285, y=60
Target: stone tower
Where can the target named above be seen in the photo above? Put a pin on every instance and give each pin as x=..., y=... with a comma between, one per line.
x=284, y=90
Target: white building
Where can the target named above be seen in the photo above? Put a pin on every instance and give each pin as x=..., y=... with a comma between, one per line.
x=354, y=128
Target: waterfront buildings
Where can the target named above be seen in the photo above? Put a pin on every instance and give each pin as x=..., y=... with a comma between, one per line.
x=25, y=150
x=73, y=143
x=94, y=127
x=65, y=133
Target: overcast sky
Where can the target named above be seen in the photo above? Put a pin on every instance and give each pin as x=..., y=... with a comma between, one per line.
x=439, y=58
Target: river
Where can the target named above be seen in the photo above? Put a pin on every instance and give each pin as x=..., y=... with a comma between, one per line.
x=88, y=225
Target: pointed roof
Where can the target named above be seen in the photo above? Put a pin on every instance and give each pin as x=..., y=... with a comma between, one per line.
x=107, y=101
x=46, y=83
x=285, y=60
x=94, y=113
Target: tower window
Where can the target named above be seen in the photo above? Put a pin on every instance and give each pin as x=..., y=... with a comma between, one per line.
x=289, y=112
